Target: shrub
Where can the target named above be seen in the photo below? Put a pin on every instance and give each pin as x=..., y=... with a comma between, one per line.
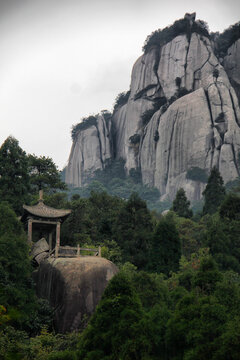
x=197, y=174
x=134, y=139
x=227, y=38
x=86, y=123
x=161, y=37
x=183, y=91
x=148, y=114
x=178, y=81
x=220, y=118
x=121, y=100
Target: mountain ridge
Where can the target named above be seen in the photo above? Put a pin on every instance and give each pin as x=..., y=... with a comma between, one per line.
x=182, y=113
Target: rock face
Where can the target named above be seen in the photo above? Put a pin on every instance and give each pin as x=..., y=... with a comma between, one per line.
x=232, y=66
x=73, y=287
x=197, y=127
x=90, y=151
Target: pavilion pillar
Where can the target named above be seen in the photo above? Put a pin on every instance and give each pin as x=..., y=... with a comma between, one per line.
x=50, y=241
x=57, y=239
x=30, y=231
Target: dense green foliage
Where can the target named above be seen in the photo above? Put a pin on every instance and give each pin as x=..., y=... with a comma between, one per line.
x=44, y=174
x=166, y=248
x=114, y=181
x=197, y=174
x=17, y=295
x=121, y=100
x=22, y=175
x=176, y=296
x=214, y=192
x=226, y=39
x=181, y=205
x=147, y=115
x=14, y=174
x=161, y=37
x=86, y=122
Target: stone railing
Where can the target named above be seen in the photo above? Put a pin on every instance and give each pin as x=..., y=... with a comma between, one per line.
x=71, y=251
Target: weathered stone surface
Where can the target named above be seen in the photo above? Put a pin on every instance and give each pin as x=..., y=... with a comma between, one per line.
x=144, y=80
x=40, y=250
x=185, y=133
x=74, y=287
x=201, y=129
x=39, y=247
x=231, y=64
x=90, y=151
x=172, y=62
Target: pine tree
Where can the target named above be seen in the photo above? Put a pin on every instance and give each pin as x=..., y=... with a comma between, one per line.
x=214, y=192
x=166, y=247
x=133, y=231
x=181, y=205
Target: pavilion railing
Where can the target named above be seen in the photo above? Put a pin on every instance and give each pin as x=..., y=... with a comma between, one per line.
x=71, y=251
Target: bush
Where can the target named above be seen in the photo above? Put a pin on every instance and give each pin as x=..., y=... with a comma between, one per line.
x=220, y=118
x=86, y=123
x=197, y=174
x=183, y=91
x=161, y=37
x=121, y=100
x=178, y=81
x=227, y=38
x=134, y=139
x=148, y=114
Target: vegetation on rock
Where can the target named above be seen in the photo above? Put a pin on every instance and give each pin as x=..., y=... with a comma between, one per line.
x=162, y=36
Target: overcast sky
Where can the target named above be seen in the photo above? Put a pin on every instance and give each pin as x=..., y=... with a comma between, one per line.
x=61, y=60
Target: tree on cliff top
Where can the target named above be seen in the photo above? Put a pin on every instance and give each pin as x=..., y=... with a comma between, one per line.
x=214, y=192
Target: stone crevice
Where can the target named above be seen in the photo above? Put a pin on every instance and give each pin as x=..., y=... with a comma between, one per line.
x=234, y=109
x=170, y=147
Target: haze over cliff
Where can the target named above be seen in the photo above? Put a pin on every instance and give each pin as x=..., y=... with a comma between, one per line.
x=180, y=118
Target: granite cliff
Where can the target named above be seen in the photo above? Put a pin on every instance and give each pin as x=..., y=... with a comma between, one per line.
x=73, y=287
x=182, y=113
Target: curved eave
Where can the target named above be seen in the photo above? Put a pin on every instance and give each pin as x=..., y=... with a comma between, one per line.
x=43, y=211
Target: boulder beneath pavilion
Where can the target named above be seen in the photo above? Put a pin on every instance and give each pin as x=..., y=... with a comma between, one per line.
x=73, y=286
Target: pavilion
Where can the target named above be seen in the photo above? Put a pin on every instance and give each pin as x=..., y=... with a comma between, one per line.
x=46, y=218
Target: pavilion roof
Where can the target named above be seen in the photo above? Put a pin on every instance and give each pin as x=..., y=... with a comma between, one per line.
x=44, y=211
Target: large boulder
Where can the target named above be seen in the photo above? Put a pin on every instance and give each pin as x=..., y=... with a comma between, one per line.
x=39, y=250
x=73, y=287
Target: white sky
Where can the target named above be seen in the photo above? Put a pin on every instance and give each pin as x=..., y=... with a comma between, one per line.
x=61, y=60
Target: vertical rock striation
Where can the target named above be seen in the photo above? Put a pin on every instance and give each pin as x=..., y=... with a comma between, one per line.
x=197, y=127
x=91, y=150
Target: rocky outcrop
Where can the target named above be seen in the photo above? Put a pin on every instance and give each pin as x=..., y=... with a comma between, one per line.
x=232, y=66
x=73, y=287
x=39, y=251
x=199, y=124
x=91, y=150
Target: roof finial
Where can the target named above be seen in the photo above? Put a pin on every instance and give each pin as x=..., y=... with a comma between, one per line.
x=40, y=195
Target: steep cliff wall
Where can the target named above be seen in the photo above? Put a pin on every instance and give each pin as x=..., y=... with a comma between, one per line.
x=73, y=287
x=231, y=64
x=195, y=117
x=91, y=150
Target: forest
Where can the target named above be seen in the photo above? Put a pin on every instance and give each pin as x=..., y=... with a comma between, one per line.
x=177, y=293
